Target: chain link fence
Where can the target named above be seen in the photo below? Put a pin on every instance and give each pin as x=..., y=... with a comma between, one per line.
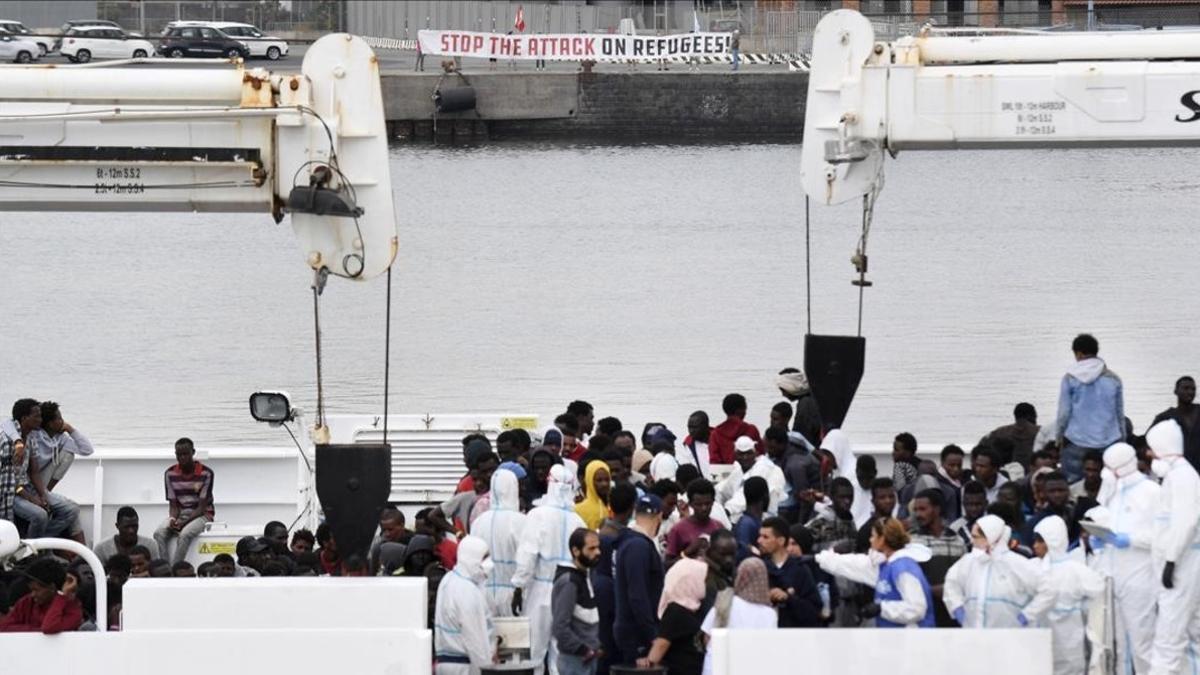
x=298, y=18
x=766, y=28
x=772, y=31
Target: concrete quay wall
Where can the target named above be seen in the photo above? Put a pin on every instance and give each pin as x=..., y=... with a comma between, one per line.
x=615, y=106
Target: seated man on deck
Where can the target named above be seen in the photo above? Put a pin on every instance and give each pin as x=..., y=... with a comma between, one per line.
x=55, y=446
x=189, y=486
x=126, y=538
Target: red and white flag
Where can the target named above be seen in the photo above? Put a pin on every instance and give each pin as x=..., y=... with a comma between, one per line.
x=519, y=23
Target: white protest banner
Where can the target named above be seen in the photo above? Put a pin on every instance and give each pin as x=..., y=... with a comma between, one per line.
x=571, y=46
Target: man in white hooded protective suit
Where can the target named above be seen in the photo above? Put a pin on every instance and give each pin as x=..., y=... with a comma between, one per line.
x=1176, y=553
x=1063, y=592
x=988, y=587
x=501, y=527
x=1130, y=503
x=463, y=634
x=545, y=542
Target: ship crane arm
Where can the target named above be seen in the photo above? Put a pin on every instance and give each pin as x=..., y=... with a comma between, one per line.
x=943, y=90
x=312, y=146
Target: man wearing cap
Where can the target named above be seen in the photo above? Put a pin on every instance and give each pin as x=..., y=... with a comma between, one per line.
x=638, y=581
x=557, y=443
x=748, y=463
x=250, y=551
x=794, y=386
x=44, y=609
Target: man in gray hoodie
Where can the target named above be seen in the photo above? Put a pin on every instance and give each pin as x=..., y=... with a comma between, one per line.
x=576, y=621
x=1091, y=407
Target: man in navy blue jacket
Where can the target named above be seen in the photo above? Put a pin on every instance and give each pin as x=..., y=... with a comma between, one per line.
x=793, y=591
x=638, y=581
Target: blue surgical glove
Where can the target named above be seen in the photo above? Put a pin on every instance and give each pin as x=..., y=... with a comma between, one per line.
x=1119, y=539
x=1022, y=619
x=1095, y=542
x=960, y=615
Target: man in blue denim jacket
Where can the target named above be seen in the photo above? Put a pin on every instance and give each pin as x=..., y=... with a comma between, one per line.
x=1091, y=407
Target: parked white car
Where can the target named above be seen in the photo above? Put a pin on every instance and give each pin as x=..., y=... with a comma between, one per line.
x=45, y=44
x=81, y=44
x=17, y=49
x=261, y=46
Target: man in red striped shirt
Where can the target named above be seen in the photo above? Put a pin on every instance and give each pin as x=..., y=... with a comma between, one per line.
x=189, y=486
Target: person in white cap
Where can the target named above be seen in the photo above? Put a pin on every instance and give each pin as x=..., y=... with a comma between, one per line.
x=1175, y=551
x=747, y=463
x=1129, y=502
x=988, y=587
x=464, y=638
x=545, y=542
x=1065, y=588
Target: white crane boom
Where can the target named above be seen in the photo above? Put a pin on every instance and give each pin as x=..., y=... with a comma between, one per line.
x=942, y=91
x=105, y=137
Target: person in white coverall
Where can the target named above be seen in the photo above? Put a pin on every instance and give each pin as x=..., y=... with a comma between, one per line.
x=545, y=544
x=1129, y=502
x=1176, y=553
x=463, y=635
x=501, y=527
x=987, y=587
x=1060, y=604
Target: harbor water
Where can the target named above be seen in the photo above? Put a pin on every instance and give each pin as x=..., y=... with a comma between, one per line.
x=649, y=280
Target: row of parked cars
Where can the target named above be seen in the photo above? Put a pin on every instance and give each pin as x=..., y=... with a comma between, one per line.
x=83, y=41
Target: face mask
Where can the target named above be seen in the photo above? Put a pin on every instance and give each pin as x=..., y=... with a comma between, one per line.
x=1160, y=467
x=487, y=566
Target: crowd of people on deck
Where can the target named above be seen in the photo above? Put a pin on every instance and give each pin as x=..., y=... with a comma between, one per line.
x=631, y=549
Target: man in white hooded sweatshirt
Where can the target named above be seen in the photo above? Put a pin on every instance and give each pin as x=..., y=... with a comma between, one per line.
x=463, y=634
x=501, y=527
x=988, y=587
x=545, y=542
x=1130, y=503
x=1176, y=552
x=1065, y=588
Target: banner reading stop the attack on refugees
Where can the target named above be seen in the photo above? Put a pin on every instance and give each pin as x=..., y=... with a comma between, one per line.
x=571, y=46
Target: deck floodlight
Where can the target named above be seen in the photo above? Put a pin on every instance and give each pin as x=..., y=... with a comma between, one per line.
x=271, y=406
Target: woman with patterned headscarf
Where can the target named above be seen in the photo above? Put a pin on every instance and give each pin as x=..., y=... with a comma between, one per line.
x=679, y=646
x=746, y=605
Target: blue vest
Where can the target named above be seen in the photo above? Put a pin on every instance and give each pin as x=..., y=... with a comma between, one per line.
x=886, y=589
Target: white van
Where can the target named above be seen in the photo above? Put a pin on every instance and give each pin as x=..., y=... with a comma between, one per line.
x=45, y=44
x=81, y=44
x=17, y=49
x=261, y=46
